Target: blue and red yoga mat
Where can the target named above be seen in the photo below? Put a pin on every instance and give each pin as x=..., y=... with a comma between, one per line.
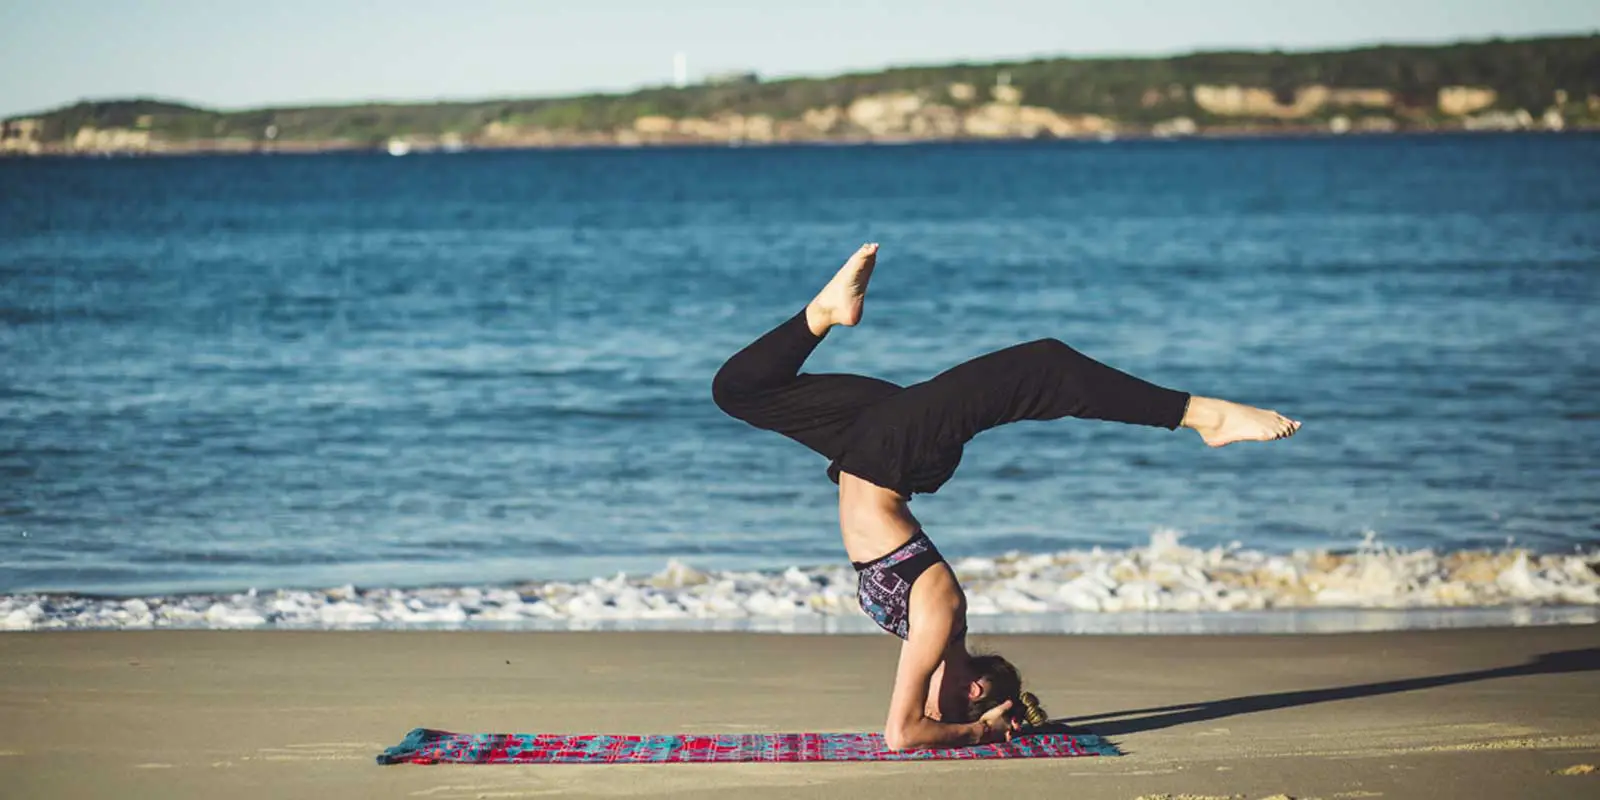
x=424, y=746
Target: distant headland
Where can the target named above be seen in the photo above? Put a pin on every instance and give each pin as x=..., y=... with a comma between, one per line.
x=1546, y=83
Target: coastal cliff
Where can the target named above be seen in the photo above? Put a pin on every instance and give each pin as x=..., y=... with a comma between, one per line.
x=1542, y=84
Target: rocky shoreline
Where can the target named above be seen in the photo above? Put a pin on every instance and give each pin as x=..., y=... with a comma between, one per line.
x=571, y=140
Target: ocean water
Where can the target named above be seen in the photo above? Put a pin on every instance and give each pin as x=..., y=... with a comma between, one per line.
x=334, y=379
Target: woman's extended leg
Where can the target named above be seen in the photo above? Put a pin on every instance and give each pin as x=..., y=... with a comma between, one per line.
x=1047, y=379
x=762, y=384
x=913, y=440
x=1040, y=380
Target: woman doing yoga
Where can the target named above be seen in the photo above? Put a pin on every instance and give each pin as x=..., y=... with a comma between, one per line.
x=887, y=443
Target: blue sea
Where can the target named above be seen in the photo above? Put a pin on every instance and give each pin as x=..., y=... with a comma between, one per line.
x=482, y=370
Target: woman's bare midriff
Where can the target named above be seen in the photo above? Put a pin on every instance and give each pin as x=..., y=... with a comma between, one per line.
x=872, y=519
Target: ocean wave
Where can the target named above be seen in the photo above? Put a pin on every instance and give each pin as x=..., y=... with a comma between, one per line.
x=1164, y=577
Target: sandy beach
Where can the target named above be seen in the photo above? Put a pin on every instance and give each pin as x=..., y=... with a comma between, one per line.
x=1476, y=713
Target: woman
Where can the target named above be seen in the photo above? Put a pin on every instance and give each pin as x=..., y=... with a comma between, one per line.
x=887, y=443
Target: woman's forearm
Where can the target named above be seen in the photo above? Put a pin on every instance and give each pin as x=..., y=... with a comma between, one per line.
x=927, y=732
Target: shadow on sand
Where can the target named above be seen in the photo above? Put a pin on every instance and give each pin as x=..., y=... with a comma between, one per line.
x=1119, y=723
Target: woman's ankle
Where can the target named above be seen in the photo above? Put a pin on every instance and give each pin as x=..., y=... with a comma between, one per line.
x=1201, y=414
x=818, y=320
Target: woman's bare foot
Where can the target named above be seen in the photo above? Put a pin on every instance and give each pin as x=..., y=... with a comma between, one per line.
x=840, y=302
x=1220, y=422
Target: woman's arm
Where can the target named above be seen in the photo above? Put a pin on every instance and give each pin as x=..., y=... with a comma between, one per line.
x=936, y=607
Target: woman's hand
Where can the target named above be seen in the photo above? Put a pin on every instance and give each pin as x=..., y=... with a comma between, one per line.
x=997, y=727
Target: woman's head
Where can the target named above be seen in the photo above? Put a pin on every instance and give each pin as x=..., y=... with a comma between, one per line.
x=995, y=681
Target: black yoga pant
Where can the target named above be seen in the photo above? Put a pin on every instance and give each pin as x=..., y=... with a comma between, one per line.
x=909, y=439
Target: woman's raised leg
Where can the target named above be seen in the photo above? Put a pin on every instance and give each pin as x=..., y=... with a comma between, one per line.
x=762, y=384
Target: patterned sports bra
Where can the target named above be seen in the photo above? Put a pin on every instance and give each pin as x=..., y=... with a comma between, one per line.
x=884, y=583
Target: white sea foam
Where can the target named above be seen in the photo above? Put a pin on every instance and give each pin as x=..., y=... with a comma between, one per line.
x=1162, y=587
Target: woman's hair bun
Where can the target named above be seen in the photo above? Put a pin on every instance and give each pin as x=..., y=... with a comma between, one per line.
x=1032, y=714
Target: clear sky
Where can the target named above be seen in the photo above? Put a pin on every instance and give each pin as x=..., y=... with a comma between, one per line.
x=238, y=54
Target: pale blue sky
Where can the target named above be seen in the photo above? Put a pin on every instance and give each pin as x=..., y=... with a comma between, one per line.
x=236, y=54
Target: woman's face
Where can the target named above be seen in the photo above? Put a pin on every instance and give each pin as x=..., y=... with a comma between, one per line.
x=951, y=693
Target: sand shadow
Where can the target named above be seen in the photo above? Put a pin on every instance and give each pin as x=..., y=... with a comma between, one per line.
x=1119, y=723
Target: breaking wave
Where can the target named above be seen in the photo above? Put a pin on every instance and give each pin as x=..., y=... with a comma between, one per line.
x=1133, y=590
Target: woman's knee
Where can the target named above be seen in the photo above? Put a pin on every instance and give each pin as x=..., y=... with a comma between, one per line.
x=1051, y=348
x=1049, y=352
x=1049, y=357
x=728, y=391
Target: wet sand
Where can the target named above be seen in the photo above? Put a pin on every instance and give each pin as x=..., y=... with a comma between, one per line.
x=1488, y=713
